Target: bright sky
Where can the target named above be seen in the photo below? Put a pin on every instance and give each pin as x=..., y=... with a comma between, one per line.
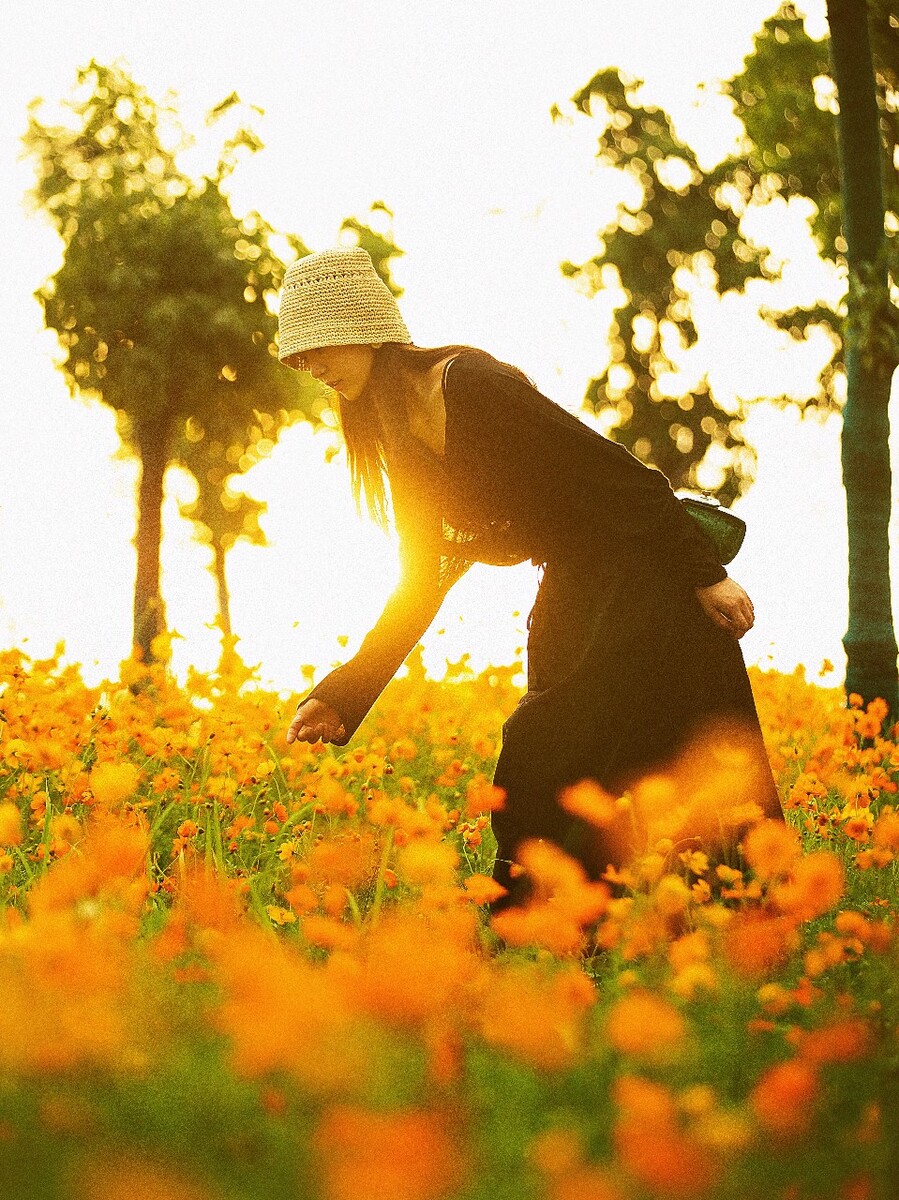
x=442, y=111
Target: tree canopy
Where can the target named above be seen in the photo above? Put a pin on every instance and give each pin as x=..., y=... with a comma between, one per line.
x=164, y=303
x=681, y=227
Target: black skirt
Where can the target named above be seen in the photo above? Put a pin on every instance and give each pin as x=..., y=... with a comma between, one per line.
x=625, y=668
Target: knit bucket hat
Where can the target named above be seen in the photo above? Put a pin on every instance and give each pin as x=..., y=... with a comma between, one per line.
x=336, y=298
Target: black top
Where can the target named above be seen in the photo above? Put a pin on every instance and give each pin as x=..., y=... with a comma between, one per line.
x=520, y=478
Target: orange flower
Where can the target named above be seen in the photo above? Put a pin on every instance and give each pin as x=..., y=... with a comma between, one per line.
x=562, y=880
x=536, y=1017
x=671, y=896
x=112, y=863
x=689, y=949
x=413, y=970
x=350, y=859
x=330, y=797
x=551, y=869
x=329, y=934
x=859, y=1187
x=66, y=829
x=885, y=832
x=539, y=925
x=208, y=901
x=874, y=935
x=652, y=1147
x=481, y=889
x=857, y=828
x=386, y=1155
x=334, y=900
x=665, y=1159
x=771, y=848
x=783, y=1097
x=426, y=862
x=816, y=884
x=717, y=784
x=590, y=802
x=643, y=1100
x=755, y=943
x=556, y=1151
x=281, y=1013
x=586, y=1183
x=645, y=1026
x=840, y=1041
x=483, y=796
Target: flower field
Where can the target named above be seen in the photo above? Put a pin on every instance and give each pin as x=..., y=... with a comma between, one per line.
x=232, y=970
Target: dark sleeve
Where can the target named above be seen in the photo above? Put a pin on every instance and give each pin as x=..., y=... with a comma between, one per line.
x=351, y=689
x=573, y=480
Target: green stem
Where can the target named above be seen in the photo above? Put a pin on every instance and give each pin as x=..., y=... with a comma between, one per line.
x=375, y=912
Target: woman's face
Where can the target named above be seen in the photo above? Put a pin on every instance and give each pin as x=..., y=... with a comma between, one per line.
x=344, y=368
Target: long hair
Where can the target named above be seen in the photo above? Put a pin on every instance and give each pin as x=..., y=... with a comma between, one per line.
x=392, y=378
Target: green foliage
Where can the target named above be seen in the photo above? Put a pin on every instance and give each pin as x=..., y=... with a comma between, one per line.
x=681, y=228
x=790, y=144
x=380, y=246
x=786, y=98
x=161, y=300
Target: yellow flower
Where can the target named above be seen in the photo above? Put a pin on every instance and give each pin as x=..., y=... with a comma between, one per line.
x=693, y=978
x=724, y=1132
x=671, y=896
x=10, y=824
x=280, y=916
x=111, y=783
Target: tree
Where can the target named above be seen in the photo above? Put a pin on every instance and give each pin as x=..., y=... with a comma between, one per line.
x=221, y=514
x=683, y=229
x=163, y=302
x=870, y=358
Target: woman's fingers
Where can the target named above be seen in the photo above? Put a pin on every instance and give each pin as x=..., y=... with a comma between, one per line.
x=305, y=733
x=301, y=730
x=737, y=621
x=728, y=605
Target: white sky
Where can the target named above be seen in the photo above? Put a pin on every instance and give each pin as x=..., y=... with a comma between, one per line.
x=442, y=111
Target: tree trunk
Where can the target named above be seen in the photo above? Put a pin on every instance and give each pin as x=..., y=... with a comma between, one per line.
x=222, y=585
x=870, y=639
x=149, y=611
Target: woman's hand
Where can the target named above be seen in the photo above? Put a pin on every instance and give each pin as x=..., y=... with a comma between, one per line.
x=315, y=721
x=728, y=606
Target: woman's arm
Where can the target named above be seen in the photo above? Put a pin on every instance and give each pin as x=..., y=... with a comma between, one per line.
x=351, y=689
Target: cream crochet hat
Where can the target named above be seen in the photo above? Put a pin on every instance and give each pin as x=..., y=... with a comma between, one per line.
x=336, y=298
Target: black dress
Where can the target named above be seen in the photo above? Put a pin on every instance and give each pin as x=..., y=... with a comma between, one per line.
x=623, y=664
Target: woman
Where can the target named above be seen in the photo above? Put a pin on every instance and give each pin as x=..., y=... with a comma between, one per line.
x=633, y=637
